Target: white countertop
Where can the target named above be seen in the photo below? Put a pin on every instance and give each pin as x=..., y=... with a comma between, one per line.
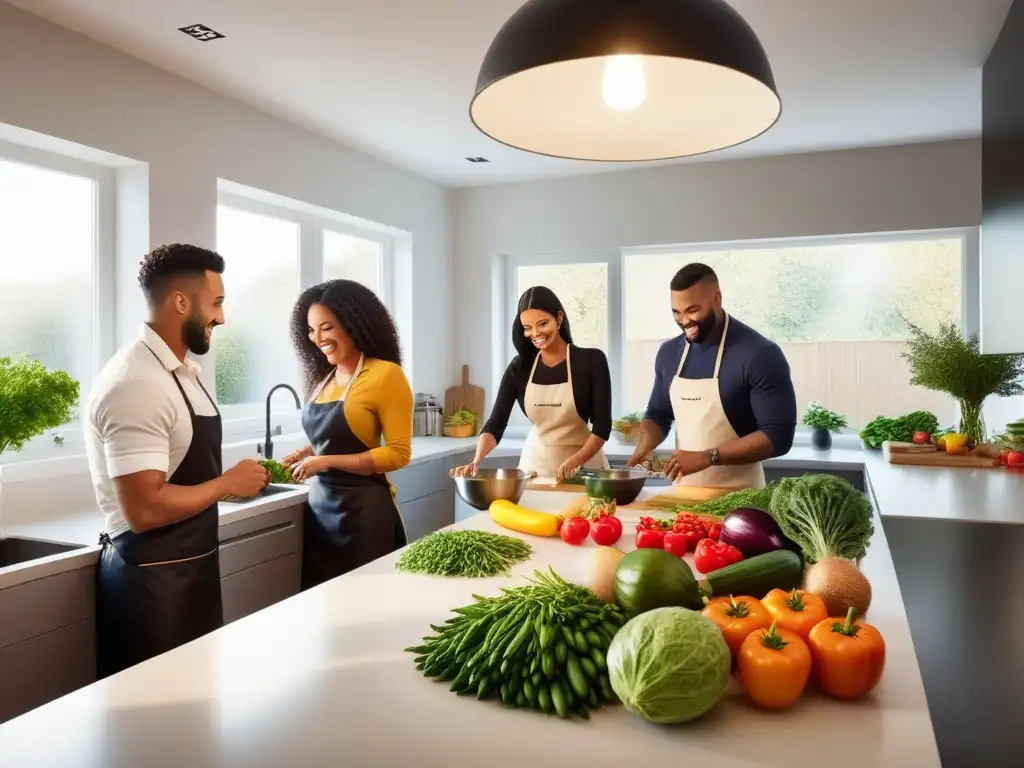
x=321, y=679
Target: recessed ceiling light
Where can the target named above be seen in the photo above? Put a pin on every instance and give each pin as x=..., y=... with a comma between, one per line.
x=478, y=159
x=201, y=32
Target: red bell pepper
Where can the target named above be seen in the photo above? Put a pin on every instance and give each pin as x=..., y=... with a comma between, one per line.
x=711, y=555
x=676, y=543
x=650, y=534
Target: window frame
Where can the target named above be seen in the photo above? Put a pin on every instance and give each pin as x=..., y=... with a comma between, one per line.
x=104, y=180
x=616, y=259
x=246, y=419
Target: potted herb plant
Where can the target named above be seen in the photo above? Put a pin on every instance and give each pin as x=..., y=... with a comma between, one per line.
x=32, y=400
x=822, y=422
x=628, y=427
x=462, y=423
x=949, y=362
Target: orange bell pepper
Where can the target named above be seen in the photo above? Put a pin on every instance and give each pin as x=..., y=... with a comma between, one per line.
x=848, y=656
x=737, y=617
x=773, y=666
x=797, y=611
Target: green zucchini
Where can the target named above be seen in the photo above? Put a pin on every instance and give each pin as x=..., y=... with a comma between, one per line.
x=757, y=576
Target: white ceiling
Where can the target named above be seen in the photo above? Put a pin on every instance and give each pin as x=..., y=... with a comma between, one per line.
x=394, y=77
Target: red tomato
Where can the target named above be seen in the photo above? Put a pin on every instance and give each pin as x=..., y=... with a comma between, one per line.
x=676, y=544
x=1015, y=459
x=606, y=531
x=575, y=530
x=714, y=531
x=650, y=538
x=922, y=438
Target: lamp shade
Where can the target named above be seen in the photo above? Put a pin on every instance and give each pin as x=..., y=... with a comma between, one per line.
x=625, y=80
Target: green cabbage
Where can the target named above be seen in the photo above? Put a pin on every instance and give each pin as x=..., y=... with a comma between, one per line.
x=824, y=515
x=669, y=665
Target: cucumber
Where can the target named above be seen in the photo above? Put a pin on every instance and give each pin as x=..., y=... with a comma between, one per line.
x=757, y=576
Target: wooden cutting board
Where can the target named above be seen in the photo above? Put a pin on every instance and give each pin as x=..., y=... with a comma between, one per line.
x=896, y=453
x=465, y=395
x=667, y=499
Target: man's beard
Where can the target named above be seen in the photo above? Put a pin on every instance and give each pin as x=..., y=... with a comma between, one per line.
x=704, y=328
x=194, y=335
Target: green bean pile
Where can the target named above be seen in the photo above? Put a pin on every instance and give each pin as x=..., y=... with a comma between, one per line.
x=541, y=646
x=474, y=554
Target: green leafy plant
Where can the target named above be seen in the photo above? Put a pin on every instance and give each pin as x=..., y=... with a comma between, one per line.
x=882, y=429
x=461, y=418
x=949, y=362
x=817, y=416
x=279, y=473
x=32, y=400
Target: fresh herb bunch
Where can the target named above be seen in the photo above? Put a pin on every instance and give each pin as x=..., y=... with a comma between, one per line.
x=472, y=554
x=461, y=418
x=882, y=429
x=949, y=362
x=279, y=473
x=817, y=416
x=32, y=400
x=723, y=505
x=628, y=421
x=541, y=646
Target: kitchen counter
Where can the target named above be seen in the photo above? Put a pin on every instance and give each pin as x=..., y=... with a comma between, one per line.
x=322, y=677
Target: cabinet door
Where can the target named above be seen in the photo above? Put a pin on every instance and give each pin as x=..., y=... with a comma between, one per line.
x=261, y=586
x=419, y=480
x=426, y=515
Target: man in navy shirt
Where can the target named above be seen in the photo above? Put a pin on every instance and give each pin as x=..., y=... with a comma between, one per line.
x=726, y=387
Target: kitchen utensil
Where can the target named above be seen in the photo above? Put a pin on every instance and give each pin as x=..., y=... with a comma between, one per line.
x=489, y=485
x=465, y=395
x=621, y=485
x=936, y=459
x=427, y=417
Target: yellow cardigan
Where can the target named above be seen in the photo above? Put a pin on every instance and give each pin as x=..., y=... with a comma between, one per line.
x=379, y=404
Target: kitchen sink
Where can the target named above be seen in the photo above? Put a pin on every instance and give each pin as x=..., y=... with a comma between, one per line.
x=14, y=550
x=271, y=490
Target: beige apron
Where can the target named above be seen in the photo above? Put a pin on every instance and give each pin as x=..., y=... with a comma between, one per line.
x=558, y=431
x=701, y=424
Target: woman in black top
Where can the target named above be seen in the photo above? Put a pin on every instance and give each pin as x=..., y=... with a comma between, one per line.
x=562, y=389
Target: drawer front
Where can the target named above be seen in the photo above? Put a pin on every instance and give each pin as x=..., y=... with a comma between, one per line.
x=251, y=549
x=257, y=588
x=419, y=480
x=43, y=605
x=37, y=671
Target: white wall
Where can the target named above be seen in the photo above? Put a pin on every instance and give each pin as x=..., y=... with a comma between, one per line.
x=65, y=85
x=924, y=186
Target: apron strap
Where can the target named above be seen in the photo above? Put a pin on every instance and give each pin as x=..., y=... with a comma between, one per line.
x=721, y=346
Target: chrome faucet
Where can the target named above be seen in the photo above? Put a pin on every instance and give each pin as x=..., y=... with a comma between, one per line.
x=268, y=445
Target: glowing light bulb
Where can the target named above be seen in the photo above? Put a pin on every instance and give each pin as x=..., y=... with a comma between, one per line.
x=623, y=85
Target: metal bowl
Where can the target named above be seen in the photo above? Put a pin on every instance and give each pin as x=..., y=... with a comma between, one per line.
x=620, y=485
x=489, y=485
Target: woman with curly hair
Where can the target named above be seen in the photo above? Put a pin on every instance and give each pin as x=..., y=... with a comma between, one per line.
x=564, y=390
x=356, y=394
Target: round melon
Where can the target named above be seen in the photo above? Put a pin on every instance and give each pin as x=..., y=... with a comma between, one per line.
x=646, y=579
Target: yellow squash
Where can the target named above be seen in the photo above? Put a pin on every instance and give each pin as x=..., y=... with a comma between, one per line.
x=516, y=518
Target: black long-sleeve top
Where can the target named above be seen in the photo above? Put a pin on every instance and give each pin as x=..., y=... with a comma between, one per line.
x=591, y=389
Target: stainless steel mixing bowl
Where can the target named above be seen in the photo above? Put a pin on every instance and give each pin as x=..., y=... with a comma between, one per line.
x=620, y=485
x=489, y=485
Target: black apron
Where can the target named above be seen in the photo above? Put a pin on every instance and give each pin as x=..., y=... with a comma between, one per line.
x=350, y=519
x=160, y=589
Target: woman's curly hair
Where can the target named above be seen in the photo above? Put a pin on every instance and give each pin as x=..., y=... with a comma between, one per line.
x=363, y=316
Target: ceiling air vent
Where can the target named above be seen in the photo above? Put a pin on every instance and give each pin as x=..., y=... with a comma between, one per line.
x=201, y=32
x=478, y=159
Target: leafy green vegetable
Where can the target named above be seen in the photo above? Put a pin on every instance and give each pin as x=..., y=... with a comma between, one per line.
x=278, y=472
x=669, y=665
x=723, y=505
x=817, y=416
x=461, y=418
x=32, y=400
x=824, y=515
x=901, y=430
x=469, y=553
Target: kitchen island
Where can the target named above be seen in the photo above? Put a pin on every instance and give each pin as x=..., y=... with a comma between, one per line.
x=321, y=679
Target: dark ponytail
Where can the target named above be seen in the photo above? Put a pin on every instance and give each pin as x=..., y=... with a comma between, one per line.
x=544, y=299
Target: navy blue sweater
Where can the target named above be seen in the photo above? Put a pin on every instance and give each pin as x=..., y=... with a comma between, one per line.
x=754, y=381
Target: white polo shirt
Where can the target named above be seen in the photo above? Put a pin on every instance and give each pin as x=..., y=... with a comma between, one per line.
x=136, y=419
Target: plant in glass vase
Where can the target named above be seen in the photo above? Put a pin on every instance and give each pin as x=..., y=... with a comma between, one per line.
x=947, y=361
x=822, y=422
x=32, y=400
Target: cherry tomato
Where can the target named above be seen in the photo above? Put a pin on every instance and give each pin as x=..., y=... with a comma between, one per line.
x=606, y=530
x=714, y=531
x=922, y=438
x=675, y=544
x=650, y=538
x=575, y=530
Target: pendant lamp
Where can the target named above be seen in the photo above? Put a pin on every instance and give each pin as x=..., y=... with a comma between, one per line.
x=625, y=80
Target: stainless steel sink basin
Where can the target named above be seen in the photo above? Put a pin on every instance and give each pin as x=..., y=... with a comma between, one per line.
x=14, y=550
x=271, y=490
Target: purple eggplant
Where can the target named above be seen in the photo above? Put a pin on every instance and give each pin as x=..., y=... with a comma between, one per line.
x=754, y=532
